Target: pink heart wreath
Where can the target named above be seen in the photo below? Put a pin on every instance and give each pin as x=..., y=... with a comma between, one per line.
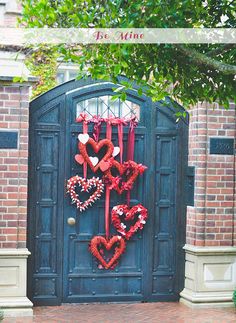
x=86, y=185
x=129, y=215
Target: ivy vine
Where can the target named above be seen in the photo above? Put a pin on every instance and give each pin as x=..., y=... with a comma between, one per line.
x=43, y=63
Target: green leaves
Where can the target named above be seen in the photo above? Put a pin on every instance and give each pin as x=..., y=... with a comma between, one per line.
x=43, y=64
x=163, y=69
x=234, y=298
x=19, y=79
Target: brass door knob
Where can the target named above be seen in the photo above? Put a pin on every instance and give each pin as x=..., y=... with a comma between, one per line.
x=71, y=221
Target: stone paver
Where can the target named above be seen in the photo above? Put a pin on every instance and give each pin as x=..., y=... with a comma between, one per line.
x=127, y=313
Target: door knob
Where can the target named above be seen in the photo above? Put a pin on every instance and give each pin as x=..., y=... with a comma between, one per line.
x=71, y=221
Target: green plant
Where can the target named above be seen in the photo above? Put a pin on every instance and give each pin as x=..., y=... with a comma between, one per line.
x=1, y=315
x=42, y=63
x=234, y=297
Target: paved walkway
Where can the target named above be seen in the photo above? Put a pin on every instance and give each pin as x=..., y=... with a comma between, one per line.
x=127, y=313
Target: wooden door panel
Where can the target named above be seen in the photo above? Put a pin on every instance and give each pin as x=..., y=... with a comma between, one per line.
x=162, y=285
x=47, y=174
x=45, y=214
x=79, y=260
x=164, y=216
x=104, y=287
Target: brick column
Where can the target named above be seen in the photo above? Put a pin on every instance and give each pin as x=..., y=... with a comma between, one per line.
x=211, y=237
x=14, y=167
x=14, y=101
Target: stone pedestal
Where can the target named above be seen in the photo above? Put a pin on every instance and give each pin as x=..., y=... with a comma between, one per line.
x=13, y=300
x=210, y=276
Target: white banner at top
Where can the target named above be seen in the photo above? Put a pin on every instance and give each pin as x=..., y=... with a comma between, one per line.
x=34, y=36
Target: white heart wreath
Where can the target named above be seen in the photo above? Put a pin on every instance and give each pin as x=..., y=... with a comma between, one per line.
x=86, y=185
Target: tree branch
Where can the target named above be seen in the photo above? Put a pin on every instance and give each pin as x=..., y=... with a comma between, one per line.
x=220, y=50
x=202, y=59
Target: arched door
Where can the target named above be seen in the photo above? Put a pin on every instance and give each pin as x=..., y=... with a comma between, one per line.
x=61, y=269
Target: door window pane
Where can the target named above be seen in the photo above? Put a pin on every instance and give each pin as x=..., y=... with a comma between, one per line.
x=104, y=107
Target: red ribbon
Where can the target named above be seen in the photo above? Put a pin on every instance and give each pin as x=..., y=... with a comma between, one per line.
x=85, y=130
x=97, y=120
x=131, y=139
x=108, y=191
x=83, y=117
x=120, y=122
x=109, y=129
x=107, y=210
x=130, y=147
x=120, y=141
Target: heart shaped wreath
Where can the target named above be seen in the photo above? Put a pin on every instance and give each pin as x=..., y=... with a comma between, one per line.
x=128, y=173
x=129, y=215
x=86, y=185
x=94, y=162
x=97, y=245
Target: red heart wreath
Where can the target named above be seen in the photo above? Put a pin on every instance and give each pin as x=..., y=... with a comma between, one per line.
x=99, y=242
x=102, y=163
x=86, y=185
x=130, y=170
x=115, y=182
x=123, y=209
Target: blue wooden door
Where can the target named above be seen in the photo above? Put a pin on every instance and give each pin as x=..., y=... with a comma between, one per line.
x=61, y=268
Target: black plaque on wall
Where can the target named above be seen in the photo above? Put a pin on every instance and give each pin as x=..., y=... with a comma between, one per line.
x=222, y=146
x=8, y=139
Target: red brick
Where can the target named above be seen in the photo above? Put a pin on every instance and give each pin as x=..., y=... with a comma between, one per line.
x=4, y=97
x=9, y=103
x=9, y=231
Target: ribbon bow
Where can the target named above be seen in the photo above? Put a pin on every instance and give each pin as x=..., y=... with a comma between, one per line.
x=97, y=120
x=83, y=117
x=133, y=123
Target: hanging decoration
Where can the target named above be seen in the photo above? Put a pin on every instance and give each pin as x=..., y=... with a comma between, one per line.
x=120, y=126
x=97, y=245
x=108, y=192
x=86, y=185
x=97, y=120
x=137, y=211
x=118, y=175
x=127, y=175
x=130, y=148
x=83, y=138
x=131, y=138
x=94, y=162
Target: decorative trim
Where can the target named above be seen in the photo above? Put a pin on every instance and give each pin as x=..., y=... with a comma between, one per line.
x=16, y=306
x=30, y=79
x=22, y=252
x=209, y=250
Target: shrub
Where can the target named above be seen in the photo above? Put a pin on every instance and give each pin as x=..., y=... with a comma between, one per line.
x=1, y=315
x=234, y=298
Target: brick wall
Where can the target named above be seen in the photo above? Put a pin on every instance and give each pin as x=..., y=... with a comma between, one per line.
x=13, y=167
x=212, y=220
